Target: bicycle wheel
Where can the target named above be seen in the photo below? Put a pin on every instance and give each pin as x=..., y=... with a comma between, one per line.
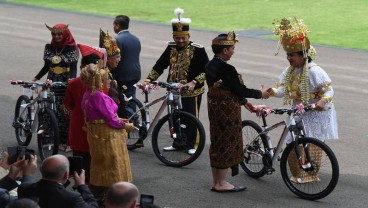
x=254, y=150
x=22, y=121
x=185, y=126
x=136, y=137
x=48, y=133
x=315, y=182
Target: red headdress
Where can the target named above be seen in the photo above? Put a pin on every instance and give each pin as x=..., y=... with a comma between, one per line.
x=68, y=39
x=87, y=50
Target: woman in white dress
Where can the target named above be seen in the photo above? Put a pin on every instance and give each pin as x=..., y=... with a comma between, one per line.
x=305, y=82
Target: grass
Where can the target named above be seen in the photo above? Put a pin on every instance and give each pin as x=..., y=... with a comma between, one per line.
x=331, y=22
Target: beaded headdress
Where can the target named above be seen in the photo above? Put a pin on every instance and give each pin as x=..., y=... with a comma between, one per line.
x=293, y=38
x=109, y=43
x=293, y=35
x=230, y=40
x=180, y=25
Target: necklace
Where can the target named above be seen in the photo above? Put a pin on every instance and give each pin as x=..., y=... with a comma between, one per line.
x=56, y=59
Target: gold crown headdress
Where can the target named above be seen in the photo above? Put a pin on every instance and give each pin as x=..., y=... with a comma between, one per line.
x=109, y=43
x=293, y=35
x=180, y=25
x=231, y=39
x=57, y=30
x=293, y=38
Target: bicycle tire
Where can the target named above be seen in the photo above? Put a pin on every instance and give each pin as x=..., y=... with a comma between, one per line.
x=254, y=150
x=22, y=123
x=139, y=121
x=161, y=137
x=319, y=181
x=48, y=140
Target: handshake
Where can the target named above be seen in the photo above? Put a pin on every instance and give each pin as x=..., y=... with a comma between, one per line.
x=266, y=93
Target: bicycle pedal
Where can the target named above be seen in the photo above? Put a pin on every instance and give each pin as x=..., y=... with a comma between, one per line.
x=269, y=171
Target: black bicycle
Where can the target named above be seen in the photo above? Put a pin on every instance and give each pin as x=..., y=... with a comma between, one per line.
x=308, y=166
x=35, y=113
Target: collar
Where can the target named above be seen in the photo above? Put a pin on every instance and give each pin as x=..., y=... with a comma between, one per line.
x=121, y=31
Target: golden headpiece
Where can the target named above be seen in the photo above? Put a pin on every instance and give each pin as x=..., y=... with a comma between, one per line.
x=57, y=29
x=230, y=40
x=109, y=43
x=293, y=36
x=180, y=25
x=93, y=77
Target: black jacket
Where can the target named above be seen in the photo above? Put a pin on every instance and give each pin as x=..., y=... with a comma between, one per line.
x=55, y=195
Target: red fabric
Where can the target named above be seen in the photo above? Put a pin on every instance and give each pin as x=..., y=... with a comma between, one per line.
x=72, y=101
x=88, y=50
x=68, y=39
x=106, y=90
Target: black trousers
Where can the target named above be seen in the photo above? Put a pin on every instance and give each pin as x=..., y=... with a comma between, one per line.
x=192, y=106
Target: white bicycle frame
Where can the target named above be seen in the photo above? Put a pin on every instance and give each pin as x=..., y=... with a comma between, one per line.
x=290, y=120
x=169, y=97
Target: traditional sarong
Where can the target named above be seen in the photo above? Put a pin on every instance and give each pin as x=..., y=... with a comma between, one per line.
x=224, y=113
x=109, y=154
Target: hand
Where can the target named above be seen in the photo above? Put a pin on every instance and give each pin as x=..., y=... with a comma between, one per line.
x=265, y=94
x=250, y=107
x=30, y=166
x=34, y=79
x=16, y=168
x=191, y=85
x=48, y=82
x=4, y=162
x=269, y=90
x=124, y=120
x=129, y=127
x=80, y=179
x=320, y=105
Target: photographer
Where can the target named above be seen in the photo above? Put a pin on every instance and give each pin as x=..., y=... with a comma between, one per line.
x=50, y=190
x=21, y=170
x=125, y=195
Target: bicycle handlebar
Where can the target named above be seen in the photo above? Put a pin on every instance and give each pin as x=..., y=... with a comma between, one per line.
x=35, y=84
x=263, y=111
x=172, y=86
x=295, y=109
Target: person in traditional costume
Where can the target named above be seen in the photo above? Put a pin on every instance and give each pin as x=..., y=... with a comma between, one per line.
x=106, y=133
x=226, y=94
x=60, y=62
x=305, y=82
x=72, y=102
x=112, y=60
x=186, y=61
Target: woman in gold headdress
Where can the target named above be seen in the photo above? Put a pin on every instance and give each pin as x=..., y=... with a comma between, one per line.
x=305, y=82
x=106, y=133
x=226, y=93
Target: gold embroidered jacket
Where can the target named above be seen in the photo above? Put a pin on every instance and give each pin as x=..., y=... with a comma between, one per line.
x=185, y=65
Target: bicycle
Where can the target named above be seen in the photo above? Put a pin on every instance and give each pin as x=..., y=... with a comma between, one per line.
x=303, y=171
x=174, y=128
x=45, y=124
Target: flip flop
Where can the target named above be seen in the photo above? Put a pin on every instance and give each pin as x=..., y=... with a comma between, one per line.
x=235, y=189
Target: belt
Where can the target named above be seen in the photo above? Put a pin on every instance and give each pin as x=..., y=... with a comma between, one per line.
x=60, y=70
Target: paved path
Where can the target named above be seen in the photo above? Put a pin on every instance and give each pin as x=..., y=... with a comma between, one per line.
x=22, y=39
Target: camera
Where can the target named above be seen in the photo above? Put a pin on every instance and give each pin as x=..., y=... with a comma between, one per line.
x=18, y=152
x=146, y=200
x=75, y=164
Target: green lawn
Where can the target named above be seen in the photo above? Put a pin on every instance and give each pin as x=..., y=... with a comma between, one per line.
x=331, y=22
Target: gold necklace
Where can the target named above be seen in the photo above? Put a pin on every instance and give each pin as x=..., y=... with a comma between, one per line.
x=56, y=59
